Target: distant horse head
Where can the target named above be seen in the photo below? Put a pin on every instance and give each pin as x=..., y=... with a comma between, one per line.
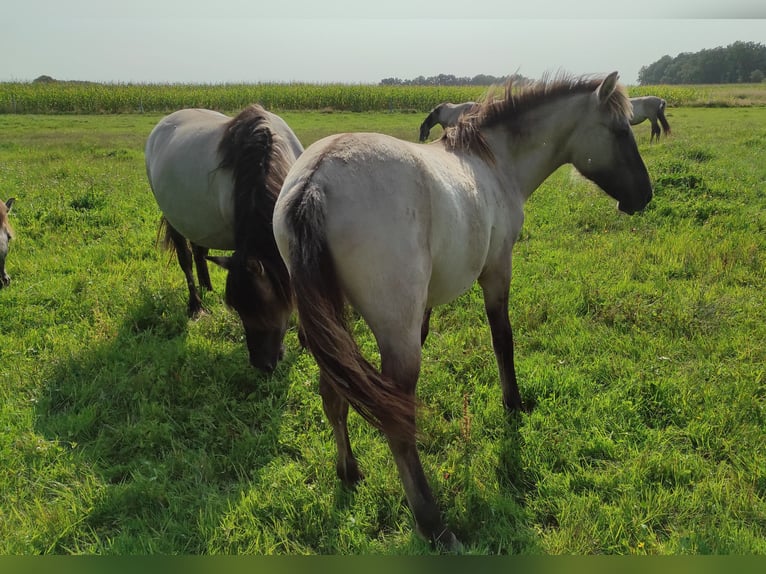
x=446, y=115
x=6, y=234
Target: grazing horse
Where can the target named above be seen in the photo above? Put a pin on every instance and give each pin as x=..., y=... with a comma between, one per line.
x=216, y=180
x=446, y=115
x=394, y=228
x=6, y=234
x=653, y=109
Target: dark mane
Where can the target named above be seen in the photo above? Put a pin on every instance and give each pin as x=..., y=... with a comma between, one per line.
x=513, y=103
x=257, y=156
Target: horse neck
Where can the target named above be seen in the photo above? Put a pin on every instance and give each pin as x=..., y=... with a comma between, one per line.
x=537, y=150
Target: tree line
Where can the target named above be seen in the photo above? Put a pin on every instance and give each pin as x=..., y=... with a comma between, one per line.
x=740, y=62
x=452, y=80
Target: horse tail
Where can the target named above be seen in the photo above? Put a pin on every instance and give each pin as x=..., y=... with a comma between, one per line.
x=661, y=117
x=164, y=236
x=320, y=303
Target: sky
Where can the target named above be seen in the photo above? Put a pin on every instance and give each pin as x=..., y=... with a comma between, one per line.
x=357, y=41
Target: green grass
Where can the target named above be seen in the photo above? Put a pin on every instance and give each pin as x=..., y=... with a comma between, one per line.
x=127, y=429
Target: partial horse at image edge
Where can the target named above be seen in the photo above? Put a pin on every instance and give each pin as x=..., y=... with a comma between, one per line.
x=393, y=228
x=6, y=235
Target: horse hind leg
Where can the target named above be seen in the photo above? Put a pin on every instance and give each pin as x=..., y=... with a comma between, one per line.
x=403, y=368
x=655, y=131
x=203, y=275
x=184, y=254
x=336, y=410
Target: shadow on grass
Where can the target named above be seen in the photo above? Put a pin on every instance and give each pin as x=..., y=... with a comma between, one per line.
x=497, y=521
x=171, y=427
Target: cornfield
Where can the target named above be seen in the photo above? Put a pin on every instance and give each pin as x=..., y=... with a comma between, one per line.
x=80, y=98
x=93, y=98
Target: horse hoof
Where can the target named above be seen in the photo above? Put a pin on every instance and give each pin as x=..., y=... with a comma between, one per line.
x=349, y=475
x=448, y=542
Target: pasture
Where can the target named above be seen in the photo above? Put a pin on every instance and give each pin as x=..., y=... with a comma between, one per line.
x=128, y=429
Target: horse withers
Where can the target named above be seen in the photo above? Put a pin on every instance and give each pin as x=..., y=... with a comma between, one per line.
x=446, y=115
x=6, y=234
x=216, y=179
x=650, y=108
x=394, y=228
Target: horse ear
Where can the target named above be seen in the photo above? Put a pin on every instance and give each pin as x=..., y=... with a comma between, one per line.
x=9, y=204
x=220, y=260
x=607, y=87
x=255, y=266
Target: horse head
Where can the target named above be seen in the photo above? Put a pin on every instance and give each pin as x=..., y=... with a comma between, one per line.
x=425, y=127
x=605, y=150
x=257, y=291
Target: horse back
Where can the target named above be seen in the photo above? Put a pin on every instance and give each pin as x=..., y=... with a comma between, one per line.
x=396, y=205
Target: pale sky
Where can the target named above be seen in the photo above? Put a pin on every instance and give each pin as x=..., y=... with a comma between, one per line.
x=356, y=41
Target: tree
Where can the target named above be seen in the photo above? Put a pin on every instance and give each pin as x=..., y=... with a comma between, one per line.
x=734, y=63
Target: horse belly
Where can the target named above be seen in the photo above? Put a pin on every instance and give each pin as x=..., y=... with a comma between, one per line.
x=194, y=196
x=454, y=271
x=461, y=232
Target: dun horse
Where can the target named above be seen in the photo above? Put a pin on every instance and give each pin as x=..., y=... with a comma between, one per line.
x=394, y=228
x=653, y=109
x=216, y=180
x=6, y=234
x=446, y=115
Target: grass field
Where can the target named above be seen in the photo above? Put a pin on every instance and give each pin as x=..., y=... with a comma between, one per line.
x=127, y=429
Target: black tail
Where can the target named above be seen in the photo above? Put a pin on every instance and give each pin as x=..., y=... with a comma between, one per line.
x=663, y=120
x=164, y=236
x=321, y=314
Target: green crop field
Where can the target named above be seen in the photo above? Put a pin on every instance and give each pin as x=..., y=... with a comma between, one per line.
x=90, y=98
x=128, y=429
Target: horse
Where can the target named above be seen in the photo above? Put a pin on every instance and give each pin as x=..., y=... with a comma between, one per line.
x=6, y=234
x=653, y=109
x=394, y=228
x=215, y=179
x=446, y=115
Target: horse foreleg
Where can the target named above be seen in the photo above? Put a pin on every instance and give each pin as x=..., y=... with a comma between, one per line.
x=425, y=325
x=184, y=254
x=200, y=262
x=336, y=410
x=496, y=307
